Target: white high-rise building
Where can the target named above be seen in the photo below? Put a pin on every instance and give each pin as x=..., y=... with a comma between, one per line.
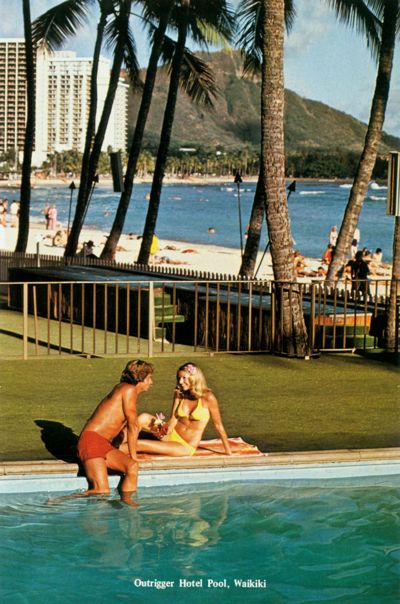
x=62, y=101
x=12, y=94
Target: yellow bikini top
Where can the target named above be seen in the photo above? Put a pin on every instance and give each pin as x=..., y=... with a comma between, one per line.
x=199, y=413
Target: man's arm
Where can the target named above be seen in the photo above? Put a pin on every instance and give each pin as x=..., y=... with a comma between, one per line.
x=129, y=398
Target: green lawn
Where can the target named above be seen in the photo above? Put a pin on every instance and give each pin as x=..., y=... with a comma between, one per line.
x=333, y=402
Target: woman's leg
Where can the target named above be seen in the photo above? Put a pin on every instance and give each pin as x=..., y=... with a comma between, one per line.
x=160, y=447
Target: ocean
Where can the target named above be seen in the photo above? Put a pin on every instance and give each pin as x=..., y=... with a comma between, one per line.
x=187, y=212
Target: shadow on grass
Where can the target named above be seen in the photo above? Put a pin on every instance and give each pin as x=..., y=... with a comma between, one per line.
x=381, y=356
x=59, y=440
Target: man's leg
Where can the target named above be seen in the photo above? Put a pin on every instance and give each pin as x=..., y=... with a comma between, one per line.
x=116, y=460
x=96, y=473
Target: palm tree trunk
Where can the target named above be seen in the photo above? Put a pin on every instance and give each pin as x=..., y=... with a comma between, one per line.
x=252, y=246
x=84, y=198
x=293, y=335
x=119, y=220
x=169, y=114
x=372, y=139
x=392, y=325
x=23, y=229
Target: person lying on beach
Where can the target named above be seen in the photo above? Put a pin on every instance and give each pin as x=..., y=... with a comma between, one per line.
x=193, y=405
x=115, y=411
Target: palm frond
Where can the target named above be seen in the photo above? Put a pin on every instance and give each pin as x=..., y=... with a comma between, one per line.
x=60, y=23
x=359, y=16
x=250, y=26
x=167, y=51
x=197, y=80
x=131, y=61
x=117, y=29
x=250, y=40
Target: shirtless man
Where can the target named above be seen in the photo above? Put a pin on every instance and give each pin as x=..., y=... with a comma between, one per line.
x=116, y=411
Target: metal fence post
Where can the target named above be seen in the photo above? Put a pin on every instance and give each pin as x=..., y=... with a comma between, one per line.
x=25, y=321
x=151, y=325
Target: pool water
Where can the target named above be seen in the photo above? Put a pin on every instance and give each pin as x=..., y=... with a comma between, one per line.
x=287, y=542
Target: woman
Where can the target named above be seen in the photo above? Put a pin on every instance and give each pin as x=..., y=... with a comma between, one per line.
x=193, y=405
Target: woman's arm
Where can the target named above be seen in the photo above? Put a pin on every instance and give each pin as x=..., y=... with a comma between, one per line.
x=173, y=420
x=213, y=406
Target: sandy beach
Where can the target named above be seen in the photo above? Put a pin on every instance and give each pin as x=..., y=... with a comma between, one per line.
x=194, y=257
x=197, y=257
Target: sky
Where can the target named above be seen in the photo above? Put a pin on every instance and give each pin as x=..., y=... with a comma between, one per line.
x=324, y=60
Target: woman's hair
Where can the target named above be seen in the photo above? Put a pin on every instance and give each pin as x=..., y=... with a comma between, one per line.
x=135, y=372
x=198, y=384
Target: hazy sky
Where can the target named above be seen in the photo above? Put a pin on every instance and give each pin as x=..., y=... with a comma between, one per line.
x=324, y=60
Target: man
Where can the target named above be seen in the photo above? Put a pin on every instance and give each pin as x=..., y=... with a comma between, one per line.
x=116, y=411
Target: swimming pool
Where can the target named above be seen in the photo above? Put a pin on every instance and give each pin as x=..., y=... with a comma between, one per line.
x=293, y=541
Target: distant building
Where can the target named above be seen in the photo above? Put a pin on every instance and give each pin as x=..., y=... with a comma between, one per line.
x=12, y=94
x=62, y=101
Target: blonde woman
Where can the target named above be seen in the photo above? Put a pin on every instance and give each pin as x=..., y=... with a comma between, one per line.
x=193, y=405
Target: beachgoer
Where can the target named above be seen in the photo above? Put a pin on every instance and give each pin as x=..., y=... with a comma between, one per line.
x=359, y=275
x=333, y=235
x=3, y=213
x=193, y=405
x=87, y=250
x=327, y=255
x=45, y=212
x=299, y=263
x=211, y=230
x=154, y=246
x=376, y=261
x=52, y=218
x=115, y=411
x=14, y=213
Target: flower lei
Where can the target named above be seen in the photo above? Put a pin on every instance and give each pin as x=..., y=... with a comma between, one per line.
x=190, y=368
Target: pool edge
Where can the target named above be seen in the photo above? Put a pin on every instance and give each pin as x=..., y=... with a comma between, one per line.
x=55, y=475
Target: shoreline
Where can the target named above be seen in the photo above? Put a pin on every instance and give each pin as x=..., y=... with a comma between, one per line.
x=172, y=180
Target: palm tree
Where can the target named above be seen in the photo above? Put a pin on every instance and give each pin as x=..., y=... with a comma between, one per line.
x=249, y=258
x=23, y=230
x=389, y=11
x=205, y=20
x=120, y=38
x=165, y=9
x=391, y=337
x=293, y=330
x=250, y=13
x=250, y=42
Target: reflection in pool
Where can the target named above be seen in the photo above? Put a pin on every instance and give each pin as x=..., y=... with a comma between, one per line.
x=283, y=542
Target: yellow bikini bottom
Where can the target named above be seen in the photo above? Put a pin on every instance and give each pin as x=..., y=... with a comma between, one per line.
x=174, y=437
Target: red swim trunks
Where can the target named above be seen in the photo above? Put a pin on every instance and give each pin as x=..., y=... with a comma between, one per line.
x=92, y=445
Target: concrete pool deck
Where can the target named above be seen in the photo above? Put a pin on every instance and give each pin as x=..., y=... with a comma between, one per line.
x=55, y=475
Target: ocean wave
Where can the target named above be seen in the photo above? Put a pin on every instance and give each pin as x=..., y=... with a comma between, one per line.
x=346, y=186
x=312, y=192
x=376, y=197
x=375, y=186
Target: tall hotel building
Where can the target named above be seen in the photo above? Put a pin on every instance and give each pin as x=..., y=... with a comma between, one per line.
x=62, y=101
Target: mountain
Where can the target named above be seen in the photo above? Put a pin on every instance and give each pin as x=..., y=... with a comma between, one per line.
x=235, y=119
